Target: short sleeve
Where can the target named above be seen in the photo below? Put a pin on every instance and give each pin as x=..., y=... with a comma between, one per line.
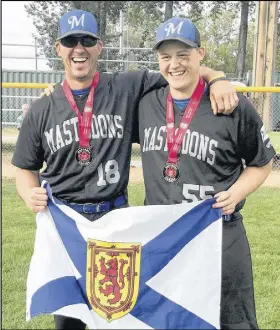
x=28, y=152
x=144, y=81
x=153, y=81
x=253, y=142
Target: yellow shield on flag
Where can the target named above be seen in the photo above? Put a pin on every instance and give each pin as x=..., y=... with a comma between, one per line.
x=112, y=280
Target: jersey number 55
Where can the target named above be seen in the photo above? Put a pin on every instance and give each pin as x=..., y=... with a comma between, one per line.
x=195, y=193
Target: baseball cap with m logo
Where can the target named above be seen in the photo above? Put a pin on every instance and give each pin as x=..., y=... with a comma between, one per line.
x=77, y=22
x=180, y=29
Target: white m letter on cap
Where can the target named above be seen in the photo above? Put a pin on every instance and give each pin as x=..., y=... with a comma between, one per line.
x=73, y=20
x=170, y=28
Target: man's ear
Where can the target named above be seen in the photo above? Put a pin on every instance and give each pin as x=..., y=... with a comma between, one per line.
x=99, y=46
x=201, y=52
x=57, y=48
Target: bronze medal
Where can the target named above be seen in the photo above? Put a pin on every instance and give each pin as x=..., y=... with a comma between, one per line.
x=83, y=156
x=171, y=173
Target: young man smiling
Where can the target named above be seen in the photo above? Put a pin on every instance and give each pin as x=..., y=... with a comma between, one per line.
x=84, y=130
x=188, y=154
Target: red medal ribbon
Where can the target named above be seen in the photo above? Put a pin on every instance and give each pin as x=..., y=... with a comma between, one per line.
x=174, y=142
x=85, y=119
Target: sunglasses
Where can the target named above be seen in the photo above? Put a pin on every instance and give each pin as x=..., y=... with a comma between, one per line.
x=85, y=41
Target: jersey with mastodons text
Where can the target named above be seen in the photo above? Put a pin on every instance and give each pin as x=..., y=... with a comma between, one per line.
x=212, y=154
x=49, y=134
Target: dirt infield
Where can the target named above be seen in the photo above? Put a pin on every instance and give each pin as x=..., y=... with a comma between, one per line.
x=136, y=174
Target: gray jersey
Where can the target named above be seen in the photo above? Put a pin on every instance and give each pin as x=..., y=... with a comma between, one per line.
x=50, y=134
x=211, y=154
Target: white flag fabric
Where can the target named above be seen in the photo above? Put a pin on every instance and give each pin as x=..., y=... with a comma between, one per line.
x=144, y=267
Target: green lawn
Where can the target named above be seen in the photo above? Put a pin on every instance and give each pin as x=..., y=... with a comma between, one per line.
x=18, y=228
x=275, y=140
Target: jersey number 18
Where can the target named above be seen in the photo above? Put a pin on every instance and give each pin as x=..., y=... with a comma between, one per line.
x=109, y=174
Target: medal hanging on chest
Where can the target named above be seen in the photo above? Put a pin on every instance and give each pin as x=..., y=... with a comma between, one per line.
x=171, y=172
x=84, y=154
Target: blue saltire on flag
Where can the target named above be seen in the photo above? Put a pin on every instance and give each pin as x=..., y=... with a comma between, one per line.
x=180, y=276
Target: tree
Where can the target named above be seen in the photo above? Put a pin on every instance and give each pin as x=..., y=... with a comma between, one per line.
x=240, y=62
x=168, y=10
x=142, y=19
x=219, y=39
x=226, y=44
x=250, y=46
x=45, y=18
x=246, y=10
x=45, y=15
x=277, y=64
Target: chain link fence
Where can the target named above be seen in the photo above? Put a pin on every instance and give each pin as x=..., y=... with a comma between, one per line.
x=13, y=100
x=268, y=107
x=266, y=104
x=111, y=59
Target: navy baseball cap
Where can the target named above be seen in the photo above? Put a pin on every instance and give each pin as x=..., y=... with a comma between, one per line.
x=180, y=29
x=77, y=22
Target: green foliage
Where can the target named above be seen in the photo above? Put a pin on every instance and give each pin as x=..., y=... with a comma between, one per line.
x=143, y=18
x=220, y=41
x=275, y=140
x=250, y=47
x=45, y=15
x=218, y=22
x=277, y=65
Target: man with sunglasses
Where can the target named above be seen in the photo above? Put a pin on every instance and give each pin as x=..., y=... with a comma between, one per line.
x=84, y=130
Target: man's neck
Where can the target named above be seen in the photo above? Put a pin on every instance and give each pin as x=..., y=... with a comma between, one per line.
x=75, y=84
x=185, y=93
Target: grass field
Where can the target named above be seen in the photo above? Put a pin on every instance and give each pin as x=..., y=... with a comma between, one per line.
x=275, y=140
x=18, y=228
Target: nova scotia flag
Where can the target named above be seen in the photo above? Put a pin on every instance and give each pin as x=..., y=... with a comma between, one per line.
x=176, y=285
